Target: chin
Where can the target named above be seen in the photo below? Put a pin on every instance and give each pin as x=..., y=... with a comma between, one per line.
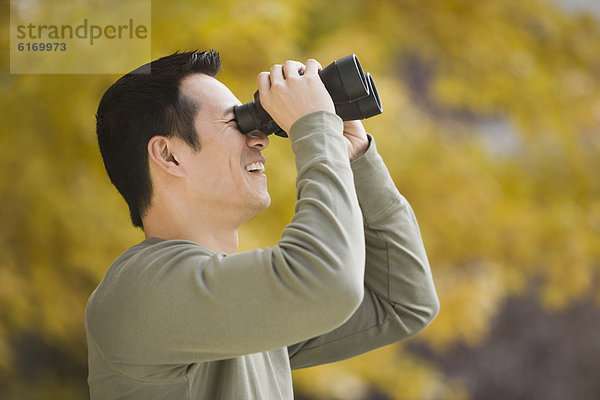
x=266, y=202
x=257, y=204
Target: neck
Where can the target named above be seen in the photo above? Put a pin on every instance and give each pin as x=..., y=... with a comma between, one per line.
x=226, y=242
x=212, y=231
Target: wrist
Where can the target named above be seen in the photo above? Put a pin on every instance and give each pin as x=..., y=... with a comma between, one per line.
x=359, y=149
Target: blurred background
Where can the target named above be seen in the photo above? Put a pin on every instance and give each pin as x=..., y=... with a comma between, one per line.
x=490, y=129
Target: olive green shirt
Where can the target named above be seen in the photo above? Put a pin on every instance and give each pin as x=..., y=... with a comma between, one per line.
x=172, y=320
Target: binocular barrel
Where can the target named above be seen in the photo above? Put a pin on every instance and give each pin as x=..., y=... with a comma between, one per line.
x=353, y=93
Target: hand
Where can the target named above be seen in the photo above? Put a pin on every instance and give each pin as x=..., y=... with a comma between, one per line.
x=287, y=96
x=356, y=139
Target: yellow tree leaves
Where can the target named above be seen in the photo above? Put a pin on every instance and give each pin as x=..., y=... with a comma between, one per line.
x=490, y=129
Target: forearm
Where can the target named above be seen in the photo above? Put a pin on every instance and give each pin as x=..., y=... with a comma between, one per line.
x=397, y=268
x=400, y=297
x=180, y=303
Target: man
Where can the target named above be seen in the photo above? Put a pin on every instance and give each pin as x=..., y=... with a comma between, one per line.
x=181, y=315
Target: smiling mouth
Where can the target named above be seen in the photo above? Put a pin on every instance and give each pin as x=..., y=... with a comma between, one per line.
x=256, y=167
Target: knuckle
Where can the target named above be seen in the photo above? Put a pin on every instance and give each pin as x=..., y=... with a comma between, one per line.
x=277, y=85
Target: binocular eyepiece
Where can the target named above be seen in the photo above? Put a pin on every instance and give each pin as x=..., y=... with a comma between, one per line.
x=353, y=93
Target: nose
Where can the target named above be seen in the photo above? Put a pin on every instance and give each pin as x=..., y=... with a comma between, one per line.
x=257, y=139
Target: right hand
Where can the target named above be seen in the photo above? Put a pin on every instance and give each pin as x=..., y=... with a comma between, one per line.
x=287, y=96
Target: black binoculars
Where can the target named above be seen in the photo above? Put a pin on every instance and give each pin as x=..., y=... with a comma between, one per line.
x=353, y=93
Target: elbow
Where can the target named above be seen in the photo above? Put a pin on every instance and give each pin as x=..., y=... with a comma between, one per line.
x=345, y=287
x=425, y=305
x=329, y=282
x=432, y=304
x=429, y=306
x=341, y=300
x=415, y=316
x=425, y=312
x=350, y=282
x=352, y=296
x=350, y=277
x=433, y=309
x=348, y=292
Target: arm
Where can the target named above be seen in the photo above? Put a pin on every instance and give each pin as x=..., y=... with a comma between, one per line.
x=173, y=302
x=400, y=297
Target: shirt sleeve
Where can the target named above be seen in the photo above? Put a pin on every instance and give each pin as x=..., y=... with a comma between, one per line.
x=173, y=302
x=400, y=297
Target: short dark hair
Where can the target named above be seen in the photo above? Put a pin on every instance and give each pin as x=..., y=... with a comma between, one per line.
x=144, y=103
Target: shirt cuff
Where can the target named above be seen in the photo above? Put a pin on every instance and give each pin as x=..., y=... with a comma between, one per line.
x=375, y=188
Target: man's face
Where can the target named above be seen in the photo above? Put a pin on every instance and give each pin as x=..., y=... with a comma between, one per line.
x=227, y=171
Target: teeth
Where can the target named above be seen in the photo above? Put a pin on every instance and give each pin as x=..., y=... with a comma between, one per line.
x=256, y=167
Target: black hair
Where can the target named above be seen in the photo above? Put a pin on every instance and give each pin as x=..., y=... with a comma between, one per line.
x=144, y=103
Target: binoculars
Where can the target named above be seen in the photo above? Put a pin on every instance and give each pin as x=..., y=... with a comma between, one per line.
x=353, y=93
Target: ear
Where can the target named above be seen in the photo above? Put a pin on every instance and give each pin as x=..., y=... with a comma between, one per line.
x=160, y=153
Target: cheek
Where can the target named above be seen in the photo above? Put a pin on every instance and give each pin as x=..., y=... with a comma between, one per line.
x=221, y=173
x=222, y=160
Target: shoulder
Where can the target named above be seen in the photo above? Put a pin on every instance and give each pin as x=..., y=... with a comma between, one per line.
x=138, y=284
x=144, y=266
x=154, y=254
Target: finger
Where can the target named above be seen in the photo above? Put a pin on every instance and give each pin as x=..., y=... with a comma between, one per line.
x=292, y=68
x=312, y=66
x=276, y=74
x=263, y=82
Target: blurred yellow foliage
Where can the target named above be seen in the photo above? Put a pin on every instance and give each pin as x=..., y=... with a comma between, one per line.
x=490, y=129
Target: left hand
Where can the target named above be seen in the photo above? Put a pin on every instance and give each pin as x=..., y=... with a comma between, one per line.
x=356, y=139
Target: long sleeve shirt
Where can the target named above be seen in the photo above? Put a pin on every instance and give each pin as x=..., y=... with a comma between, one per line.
x=172, y=320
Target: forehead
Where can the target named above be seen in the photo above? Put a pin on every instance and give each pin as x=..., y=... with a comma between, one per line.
x=211, y=94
